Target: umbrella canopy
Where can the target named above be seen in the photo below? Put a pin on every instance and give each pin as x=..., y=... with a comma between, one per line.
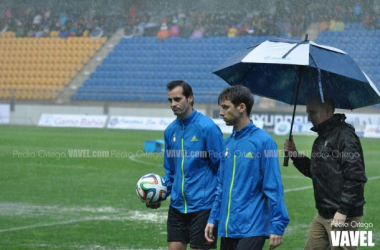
x=277, y=68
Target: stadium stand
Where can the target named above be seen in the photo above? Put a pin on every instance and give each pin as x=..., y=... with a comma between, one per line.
x=38, y=69
x=361, y=44
x=139, y=68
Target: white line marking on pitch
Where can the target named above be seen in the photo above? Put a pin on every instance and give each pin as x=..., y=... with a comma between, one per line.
x=309, y=187
x=52, y=224
x=297, y=189
x=374, y=178
x=132, y=158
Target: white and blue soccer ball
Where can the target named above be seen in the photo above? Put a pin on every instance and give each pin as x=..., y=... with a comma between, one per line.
x=151, y=188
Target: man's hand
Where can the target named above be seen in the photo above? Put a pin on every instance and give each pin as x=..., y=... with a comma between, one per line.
x=153, y=205
x=290, y=147
x=338, y=220
x=274, y=241
x=209, y=232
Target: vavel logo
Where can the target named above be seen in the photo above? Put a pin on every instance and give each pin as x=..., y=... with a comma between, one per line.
x=352, y=238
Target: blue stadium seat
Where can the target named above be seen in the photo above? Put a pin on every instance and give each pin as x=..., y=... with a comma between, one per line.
x=141, y=66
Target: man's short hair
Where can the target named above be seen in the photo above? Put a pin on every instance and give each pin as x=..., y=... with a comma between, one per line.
x=236, y=95
x=328, y=102
x=187, y=90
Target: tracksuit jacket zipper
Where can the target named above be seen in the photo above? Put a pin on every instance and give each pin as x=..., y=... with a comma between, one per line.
x=182, y=168
x=230, y=195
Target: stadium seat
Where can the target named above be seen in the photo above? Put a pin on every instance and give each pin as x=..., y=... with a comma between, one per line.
x=46, y=64
x=141, y=67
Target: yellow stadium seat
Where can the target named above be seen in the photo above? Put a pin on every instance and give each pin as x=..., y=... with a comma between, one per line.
x=30, y=63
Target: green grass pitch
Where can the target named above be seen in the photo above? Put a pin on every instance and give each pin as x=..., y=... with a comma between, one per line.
x=50, y=199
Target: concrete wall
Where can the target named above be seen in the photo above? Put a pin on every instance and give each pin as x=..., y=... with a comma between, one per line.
x=26, y=114
x=150, y=112
x=30, y=114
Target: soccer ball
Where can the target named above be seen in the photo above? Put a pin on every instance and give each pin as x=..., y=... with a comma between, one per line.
x=151, y=188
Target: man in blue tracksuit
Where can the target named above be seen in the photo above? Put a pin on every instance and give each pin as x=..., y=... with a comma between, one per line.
x=249, y=205
x=191, y=160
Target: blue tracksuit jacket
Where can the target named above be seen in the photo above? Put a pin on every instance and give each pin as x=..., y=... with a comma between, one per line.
x=249, y=198
x=191, y=160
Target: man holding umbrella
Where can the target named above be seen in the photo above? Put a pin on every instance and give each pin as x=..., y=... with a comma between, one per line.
x=337, y=170
x=291, y=72
x=249, y=204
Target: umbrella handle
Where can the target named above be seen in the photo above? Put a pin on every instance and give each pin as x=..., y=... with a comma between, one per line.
x=286, y=156
x=286, y=159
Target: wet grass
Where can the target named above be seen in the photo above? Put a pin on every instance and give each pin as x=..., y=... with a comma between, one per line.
x=50, y=199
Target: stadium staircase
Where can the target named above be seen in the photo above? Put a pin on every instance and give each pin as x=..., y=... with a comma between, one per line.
x=93, y=63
